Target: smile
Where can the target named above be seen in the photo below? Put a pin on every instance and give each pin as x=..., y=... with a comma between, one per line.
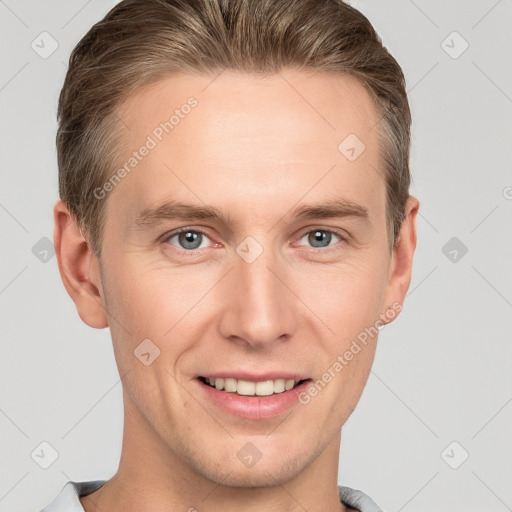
x=254, y=397
x=249, y=388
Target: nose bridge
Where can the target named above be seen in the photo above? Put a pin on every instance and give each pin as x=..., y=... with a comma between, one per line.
x=260, y=307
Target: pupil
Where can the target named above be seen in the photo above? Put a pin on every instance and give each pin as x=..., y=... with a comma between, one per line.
x=189, y=239
x=319, y=236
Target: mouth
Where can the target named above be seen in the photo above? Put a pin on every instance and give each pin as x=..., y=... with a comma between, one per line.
x=252, y=398
x=250, y=388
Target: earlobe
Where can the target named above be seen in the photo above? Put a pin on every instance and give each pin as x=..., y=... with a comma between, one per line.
x=79, y=268
x=402, y=258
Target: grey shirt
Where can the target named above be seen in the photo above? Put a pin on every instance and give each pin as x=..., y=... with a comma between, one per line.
x=68, y=499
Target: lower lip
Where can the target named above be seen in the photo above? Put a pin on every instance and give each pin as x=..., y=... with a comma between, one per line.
x=253, y=407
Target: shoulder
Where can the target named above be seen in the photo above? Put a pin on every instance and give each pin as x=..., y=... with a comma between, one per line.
x=68, y=498
x=357, y=500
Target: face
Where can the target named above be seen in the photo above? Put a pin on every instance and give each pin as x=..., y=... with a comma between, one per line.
x=246, y=245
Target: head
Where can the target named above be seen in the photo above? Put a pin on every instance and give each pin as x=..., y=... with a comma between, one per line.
x=285, y=128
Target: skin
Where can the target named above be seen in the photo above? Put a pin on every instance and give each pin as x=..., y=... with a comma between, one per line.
x=256, y=149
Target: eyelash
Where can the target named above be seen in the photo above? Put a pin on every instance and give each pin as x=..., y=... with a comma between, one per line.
x=192, y=252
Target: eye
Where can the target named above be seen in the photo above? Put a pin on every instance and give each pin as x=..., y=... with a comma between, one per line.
x=187, y=239
x=190, y=240
x=320, y=238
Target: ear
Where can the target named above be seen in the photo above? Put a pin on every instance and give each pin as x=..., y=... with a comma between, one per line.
x=401, y=261
x=79, y=268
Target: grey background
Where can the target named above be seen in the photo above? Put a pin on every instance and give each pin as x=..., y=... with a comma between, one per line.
x=442, y=371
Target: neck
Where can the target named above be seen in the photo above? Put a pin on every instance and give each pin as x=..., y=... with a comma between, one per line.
x=151, y=477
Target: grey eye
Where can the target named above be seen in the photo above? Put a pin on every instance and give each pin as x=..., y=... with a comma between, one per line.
x=188, y=239
x=319, y=238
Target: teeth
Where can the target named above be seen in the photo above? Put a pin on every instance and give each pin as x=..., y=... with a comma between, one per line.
x=247, y=388
x=229, y=385
x=279, y=385
x=264, y=388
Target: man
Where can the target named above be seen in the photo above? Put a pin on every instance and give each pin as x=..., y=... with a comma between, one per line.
x=235, y=207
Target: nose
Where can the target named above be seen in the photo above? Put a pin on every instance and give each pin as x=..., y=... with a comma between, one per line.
x=259, y=306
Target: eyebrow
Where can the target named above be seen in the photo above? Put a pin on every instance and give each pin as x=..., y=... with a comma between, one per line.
x=176, y=210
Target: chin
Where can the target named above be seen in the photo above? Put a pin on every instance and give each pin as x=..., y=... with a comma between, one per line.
x=253, y=477
x=264, y=473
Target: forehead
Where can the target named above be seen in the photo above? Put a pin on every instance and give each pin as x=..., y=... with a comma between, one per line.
x=311, y=105
x=237, y=139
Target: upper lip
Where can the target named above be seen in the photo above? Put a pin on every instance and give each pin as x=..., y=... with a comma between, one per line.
x=254, y=377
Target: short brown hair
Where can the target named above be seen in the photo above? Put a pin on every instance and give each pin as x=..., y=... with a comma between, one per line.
x=141, y=41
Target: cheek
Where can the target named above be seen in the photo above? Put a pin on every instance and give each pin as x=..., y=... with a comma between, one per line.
x=148, y=301
x=151, y=298
x=347, y=298
x=143, y=308
x=349, y=303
